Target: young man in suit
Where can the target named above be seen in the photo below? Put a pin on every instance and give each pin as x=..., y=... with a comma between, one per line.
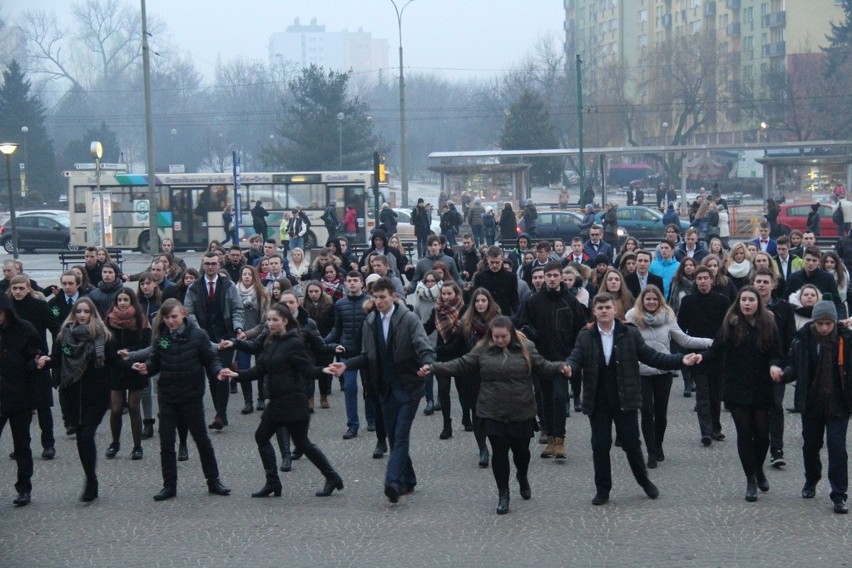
x=636, y=281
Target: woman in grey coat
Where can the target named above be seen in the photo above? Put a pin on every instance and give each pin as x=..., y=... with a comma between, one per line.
x=506, y=361
x=658, y=326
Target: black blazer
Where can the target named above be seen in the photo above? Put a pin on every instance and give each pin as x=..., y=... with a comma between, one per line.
x=632, y=281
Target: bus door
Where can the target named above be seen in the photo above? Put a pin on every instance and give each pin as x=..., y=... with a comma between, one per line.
x=355, y=195
x=189, y=208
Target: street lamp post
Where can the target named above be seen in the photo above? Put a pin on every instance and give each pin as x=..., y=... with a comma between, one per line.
x=172, y=150
x=25, y=164
x=403, y=144
x=340, y=118
x=97, y=150
x=7, y=149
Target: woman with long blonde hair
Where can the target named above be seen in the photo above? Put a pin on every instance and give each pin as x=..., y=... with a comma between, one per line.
x=613, y=283
x=738, y=266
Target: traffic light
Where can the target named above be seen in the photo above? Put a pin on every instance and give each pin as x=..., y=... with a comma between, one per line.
x=383, y=173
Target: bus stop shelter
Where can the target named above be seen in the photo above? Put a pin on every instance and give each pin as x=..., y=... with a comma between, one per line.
x=493, y=181
x=804, y=171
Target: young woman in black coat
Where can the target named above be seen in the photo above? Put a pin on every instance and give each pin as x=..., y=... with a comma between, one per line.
x=750, y=345
x=130, y=330
x=287, y=364
x=80, y=352
x=18, y=369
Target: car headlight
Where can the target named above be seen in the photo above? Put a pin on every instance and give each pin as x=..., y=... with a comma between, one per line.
x=621, y=232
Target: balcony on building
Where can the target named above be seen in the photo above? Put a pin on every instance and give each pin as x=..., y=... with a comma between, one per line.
x=775, y=19
x=733, y=29
x=775, y=49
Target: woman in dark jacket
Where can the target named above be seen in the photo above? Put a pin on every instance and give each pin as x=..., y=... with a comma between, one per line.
x=508, y=224
x=258, y=219
x=750, y=344
x=80, y=351
x=18, y=376
x=320, y=307
x=287, y=364
x=506, y=404
x=812, y=225
x=130, y=330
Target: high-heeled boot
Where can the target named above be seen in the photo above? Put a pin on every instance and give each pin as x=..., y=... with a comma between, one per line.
x=273, y=484
x=751, y=489
x=447, y=432
x=284, y=445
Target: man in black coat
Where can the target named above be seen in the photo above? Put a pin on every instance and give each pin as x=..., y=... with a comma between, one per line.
x=503, y=285
x=421, y=219
x=701, y=315
x=552, y=319
x=608, y=353
x=21, y=346
x=637, y=280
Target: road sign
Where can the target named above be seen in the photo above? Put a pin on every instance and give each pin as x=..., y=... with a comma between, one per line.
x=113, y=167
x=85, y=166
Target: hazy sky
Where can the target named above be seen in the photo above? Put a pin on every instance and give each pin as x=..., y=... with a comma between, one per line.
x=456, y=38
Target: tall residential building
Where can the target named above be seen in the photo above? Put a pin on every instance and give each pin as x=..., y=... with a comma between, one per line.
x=752, y=39
x=304, y=45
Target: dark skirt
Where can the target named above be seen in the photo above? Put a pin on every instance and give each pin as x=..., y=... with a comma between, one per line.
x=523, y=429
x=128, y=380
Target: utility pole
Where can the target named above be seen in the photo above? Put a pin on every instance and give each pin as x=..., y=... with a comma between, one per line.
x=153, y=236
x=580, y=125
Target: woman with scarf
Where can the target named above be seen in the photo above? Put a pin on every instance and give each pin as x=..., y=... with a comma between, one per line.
x=749, y=345
x=683, y=282
x=446, y=320
x=130, y=330
x=286, y=362
x=831, y=263
x=505, y=360
x=320, y=308
x=255, y=302
x=481, y=310
x=803, y=302
x=80, y=352
x=658, y=326
x=738, y=266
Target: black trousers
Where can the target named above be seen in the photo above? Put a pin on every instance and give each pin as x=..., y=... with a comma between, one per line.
x=299, y=434
x=220, y=391
x=19, y=423
x=776, y=420
x=655, y=407
x=86, y=418
x=554, y=396
x=627, y=430
x=500, y=446
x=468, y=394
x=708, y=399
x=814, y=425
x=752, y=423
x=191, y=416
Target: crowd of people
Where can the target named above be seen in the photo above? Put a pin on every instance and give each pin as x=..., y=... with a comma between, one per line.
x=527, y=334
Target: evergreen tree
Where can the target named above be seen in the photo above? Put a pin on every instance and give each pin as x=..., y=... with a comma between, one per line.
x=309, y=138
x=840, y=39
x=17, y=109
x=79, y=150
x=528, y=127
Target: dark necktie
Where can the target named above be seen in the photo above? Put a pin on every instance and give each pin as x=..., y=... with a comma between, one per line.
x=70, y=301
x=212, y=289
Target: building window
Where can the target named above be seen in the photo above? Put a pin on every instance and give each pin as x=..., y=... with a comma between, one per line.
x=748, y=14
x=643, y=40
x=643, y=16
x=695, y=3
x=695, y=27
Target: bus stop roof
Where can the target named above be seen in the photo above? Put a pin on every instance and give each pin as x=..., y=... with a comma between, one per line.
x=474, y=169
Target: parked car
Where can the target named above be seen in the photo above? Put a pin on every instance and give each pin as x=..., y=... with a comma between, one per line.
x=37, y=231
x=641, y=222
x=795, y=216
x=47, y=212
x=563, y=225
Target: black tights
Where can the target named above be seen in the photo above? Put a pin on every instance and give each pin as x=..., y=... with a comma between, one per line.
x=752, y=424
x=500, y=446
x=444, y=397
x=135, y=413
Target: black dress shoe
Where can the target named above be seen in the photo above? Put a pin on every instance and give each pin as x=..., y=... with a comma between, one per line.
x=380, y=451
x=112, y=450
x=706, y=440
x=392, y=492
x=751, y=491
x=261, y=405
x=70, y=431
x=600, y=499
x=349, y=434
x=483, y=458
x=48, y=453
x=216, y=488
x=268, y=489
x=840, y=507
x=286, y=462
x=183, y=453
x=248, y=408
x=447, y=432
x=718, y=436
x=525, y=489
x=217, y=424
x=808, y=491
x=652, y=462
x=165, y=493
x=762, y=482
x=503, y=502
x=650, y=489
x=329, y=487
x=430, y=408
x=90, y=492
x=22, y=499
x=136, y=454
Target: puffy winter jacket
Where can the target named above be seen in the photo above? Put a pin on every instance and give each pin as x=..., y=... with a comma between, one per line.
x=348, y=317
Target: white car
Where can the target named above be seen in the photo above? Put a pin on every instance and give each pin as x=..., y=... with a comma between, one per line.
x=404, y=228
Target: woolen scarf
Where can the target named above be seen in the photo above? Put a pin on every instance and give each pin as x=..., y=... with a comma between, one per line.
x=125, y=319
x=739, y=269
x=447, y=317
x=821, y=391
x=248, y=295
x=478, y=330
x=78, y=349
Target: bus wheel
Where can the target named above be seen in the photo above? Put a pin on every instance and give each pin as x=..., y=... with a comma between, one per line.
x=144, y=244
x=310, y=241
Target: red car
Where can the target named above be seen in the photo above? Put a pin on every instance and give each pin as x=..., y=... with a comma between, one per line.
x=795, y=216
